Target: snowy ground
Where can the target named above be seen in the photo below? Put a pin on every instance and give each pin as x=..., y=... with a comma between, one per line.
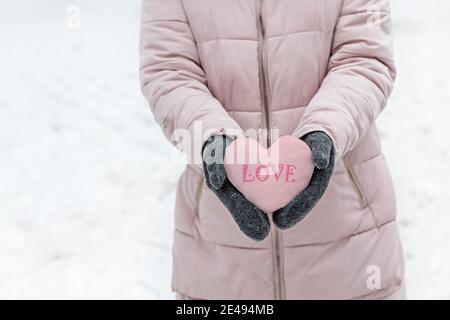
x=86, y=185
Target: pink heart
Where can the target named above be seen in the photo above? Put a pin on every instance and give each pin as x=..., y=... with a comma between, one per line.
x=269, y=178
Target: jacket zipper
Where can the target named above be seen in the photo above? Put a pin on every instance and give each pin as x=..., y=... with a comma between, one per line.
x=262, y=71
x=355, y=182
x=276, y=235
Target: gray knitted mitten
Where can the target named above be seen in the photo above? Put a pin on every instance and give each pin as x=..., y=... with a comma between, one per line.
x=323, y=157
x=253, y=222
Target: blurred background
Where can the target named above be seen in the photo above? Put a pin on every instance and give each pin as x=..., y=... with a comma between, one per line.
x=86, y=181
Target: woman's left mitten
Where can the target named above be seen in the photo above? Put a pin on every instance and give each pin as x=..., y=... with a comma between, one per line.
x=322, y=149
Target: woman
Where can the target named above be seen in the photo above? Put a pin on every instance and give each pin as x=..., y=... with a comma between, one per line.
x=318, y=70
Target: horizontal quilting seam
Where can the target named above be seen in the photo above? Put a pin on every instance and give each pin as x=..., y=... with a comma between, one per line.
x=365, y=12
x=164, y=21
x=358, y=164
x=244, y=111
x=279, y=109
x=226, y=39
x=352, y=54
x=299, y=32
x=318, y=244
x=231, y=246
x=345, y=238
x=287, y=108
x=269, y=37
x=387, y=290
x=369, y=159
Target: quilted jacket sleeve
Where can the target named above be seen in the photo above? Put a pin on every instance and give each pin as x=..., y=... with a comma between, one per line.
x=360, y=76
x=173, y=80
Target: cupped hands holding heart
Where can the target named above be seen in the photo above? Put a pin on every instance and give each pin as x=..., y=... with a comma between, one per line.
x=269, y=178
x=286, y=180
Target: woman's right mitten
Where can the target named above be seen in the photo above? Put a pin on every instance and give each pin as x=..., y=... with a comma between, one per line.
x=253, y=222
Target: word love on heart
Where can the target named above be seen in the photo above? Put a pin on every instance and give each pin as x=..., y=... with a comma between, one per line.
x=269, y=178
x=263, y=172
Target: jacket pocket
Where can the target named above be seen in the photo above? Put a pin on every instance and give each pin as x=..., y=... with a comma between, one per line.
x=355, y=182
x=198, y=195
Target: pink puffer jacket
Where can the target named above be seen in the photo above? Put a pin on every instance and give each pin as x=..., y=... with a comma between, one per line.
x=297, y=66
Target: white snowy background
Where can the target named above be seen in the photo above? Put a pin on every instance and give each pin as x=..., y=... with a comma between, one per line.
x=86, y=178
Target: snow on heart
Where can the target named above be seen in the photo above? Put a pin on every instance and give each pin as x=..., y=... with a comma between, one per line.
x=269, y=178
